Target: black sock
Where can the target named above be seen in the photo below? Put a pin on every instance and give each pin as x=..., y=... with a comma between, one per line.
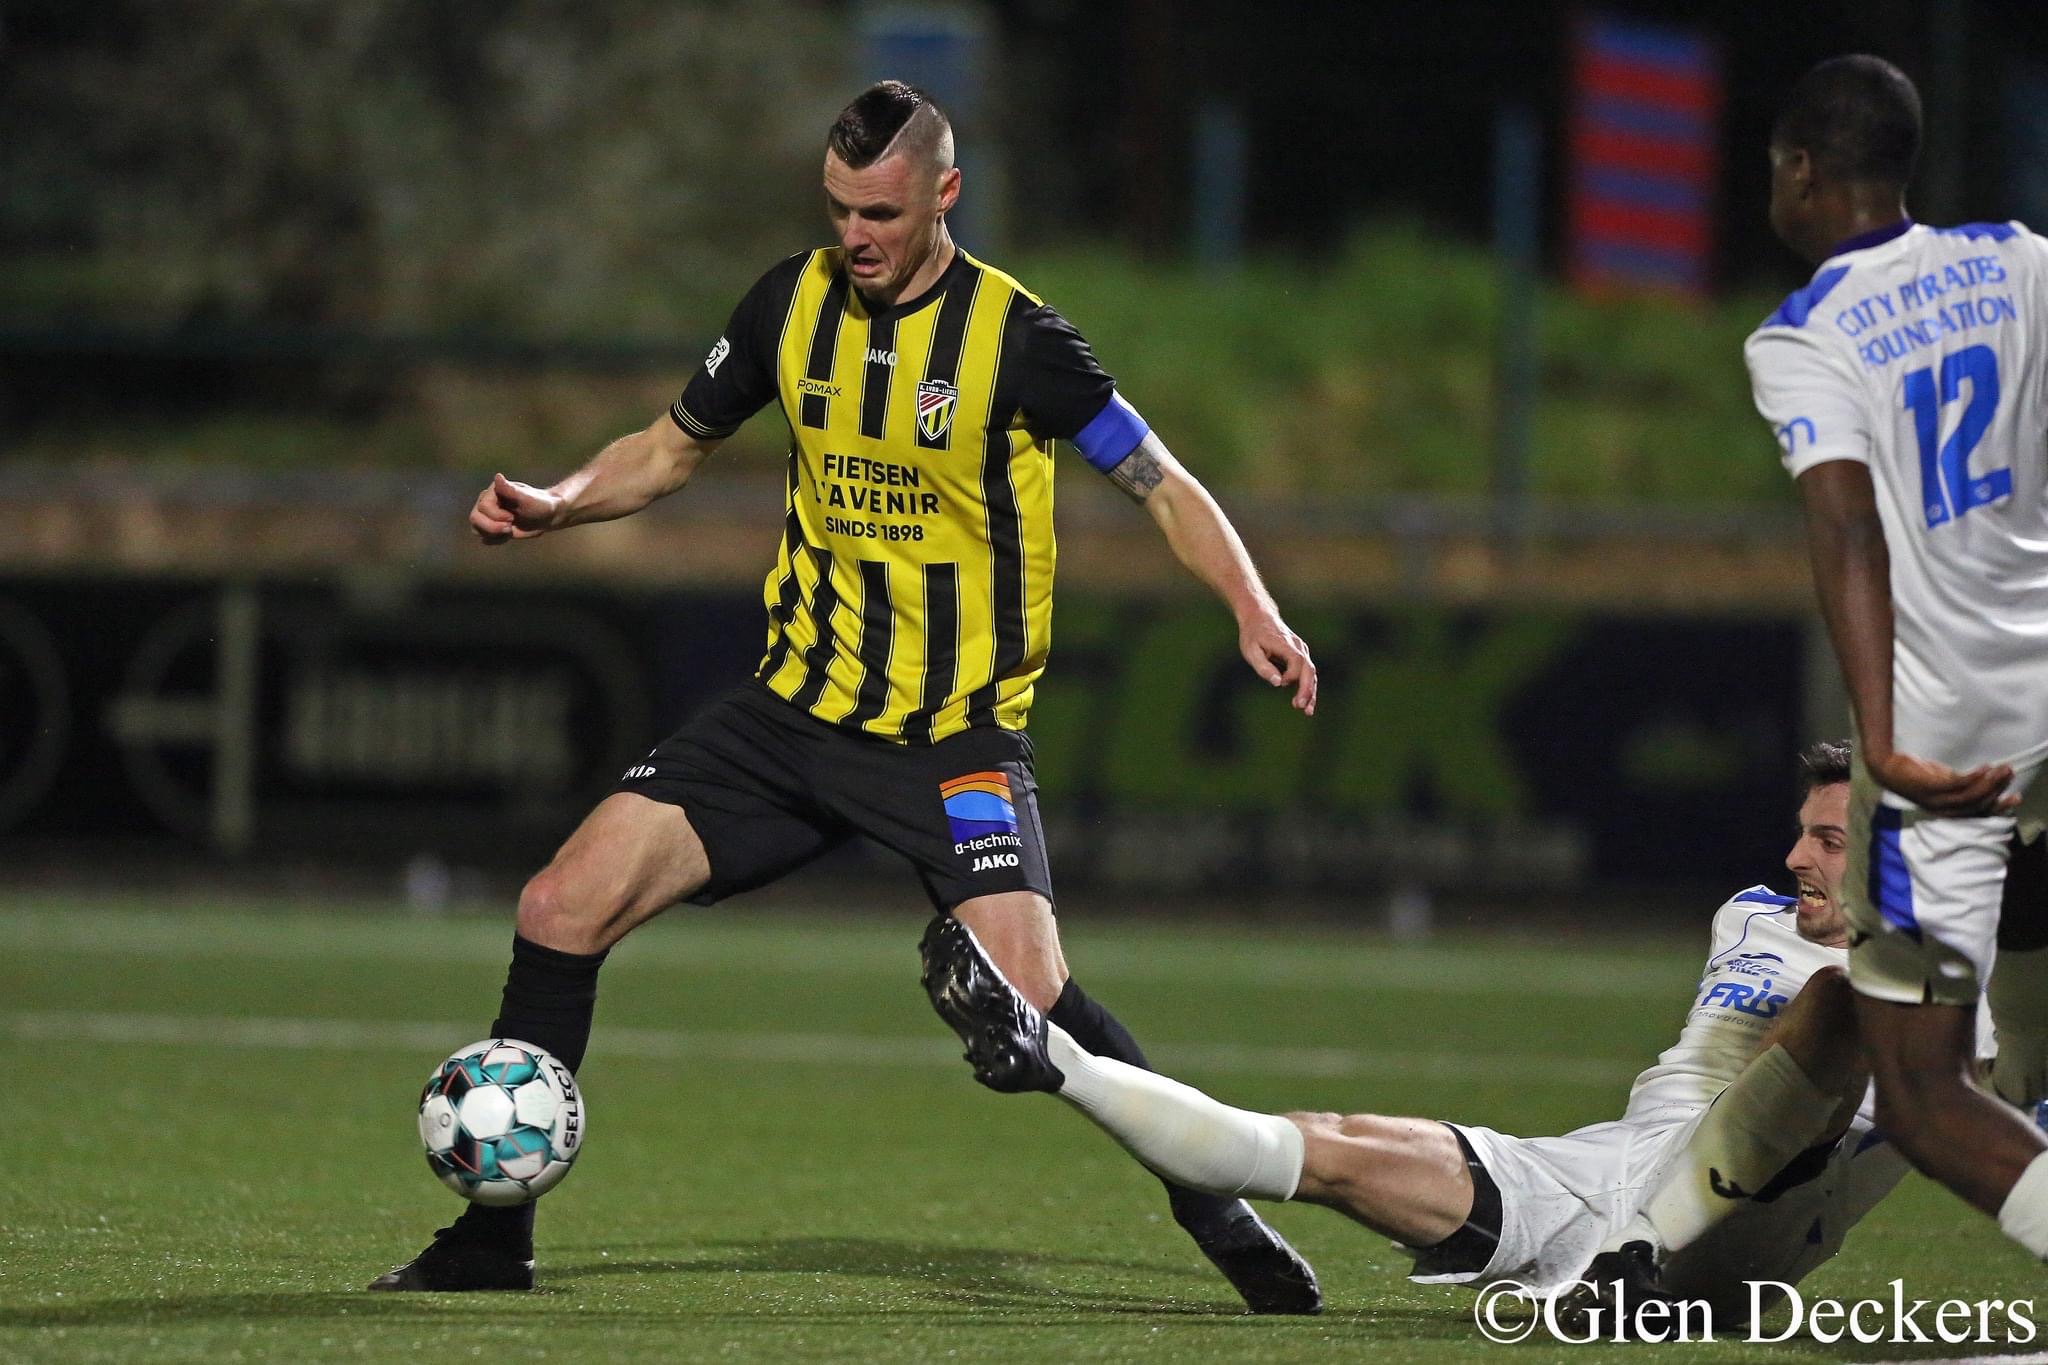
x=1094, y=1027
x=549, y=999
x=1097, y=1030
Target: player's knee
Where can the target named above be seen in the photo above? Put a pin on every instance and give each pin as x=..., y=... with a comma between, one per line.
x=1825, y=999
x=1327, y=1176
x=550, y=915
x=1829, y=987
x=1819, y=1026
x=1369, y=1125
x=1330, y=1160
x=1318, y=1125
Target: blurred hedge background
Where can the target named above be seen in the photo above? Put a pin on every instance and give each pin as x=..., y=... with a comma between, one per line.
x=297, y=236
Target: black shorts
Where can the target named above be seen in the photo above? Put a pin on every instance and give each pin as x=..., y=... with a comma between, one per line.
x=768, y=788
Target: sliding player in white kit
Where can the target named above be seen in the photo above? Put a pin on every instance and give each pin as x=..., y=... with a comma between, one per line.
x=1908, y=386
x=1761, y=1105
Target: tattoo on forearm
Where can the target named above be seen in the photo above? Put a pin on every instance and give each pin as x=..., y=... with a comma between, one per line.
x=1138, y=474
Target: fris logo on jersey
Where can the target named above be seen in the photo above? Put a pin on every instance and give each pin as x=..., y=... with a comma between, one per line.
x=935, y=402
x=717, y=357
x=1760, y=1000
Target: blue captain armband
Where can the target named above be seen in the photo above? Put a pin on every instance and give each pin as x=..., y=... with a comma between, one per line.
x=1113, y=434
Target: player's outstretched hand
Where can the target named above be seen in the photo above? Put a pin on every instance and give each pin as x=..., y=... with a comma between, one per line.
x=508, y=510
x=1279, y=656
x=1941, y=789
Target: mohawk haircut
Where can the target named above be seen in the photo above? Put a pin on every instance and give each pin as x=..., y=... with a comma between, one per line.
x=1824, y=764
x=1858, y=117
x=890, y=117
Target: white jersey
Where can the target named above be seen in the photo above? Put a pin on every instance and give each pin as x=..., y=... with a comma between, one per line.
x=1923, y=353
x=1757, y=963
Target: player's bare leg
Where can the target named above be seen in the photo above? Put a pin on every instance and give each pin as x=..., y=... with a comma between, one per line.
x=1017, y=931
x=1929, y=1105
x=1404, y=1178
x=630, y=859
x=1014, y=1045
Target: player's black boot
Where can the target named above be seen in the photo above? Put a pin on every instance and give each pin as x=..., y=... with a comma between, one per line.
x=1616, y=1286
x=1004, y=1033
x=1271, y=1275
x=454, y=1263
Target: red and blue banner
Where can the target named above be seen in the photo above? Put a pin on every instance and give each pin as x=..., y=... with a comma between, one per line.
x=1645, y=155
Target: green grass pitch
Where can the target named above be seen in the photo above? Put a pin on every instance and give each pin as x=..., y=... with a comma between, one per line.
x=209, y=1147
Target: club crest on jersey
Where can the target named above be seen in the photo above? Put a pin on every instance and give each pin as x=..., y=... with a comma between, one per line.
x=935, y=402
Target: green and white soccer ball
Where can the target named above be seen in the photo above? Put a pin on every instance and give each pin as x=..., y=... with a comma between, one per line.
x=501, y=1121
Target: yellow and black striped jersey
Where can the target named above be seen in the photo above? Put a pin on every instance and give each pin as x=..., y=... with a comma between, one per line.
x=912, y=597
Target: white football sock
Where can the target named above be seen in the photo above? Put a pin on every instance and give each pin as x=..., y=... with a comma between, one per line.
x=2024, y=1214
x=1177, y=1130
x=1768, y=1115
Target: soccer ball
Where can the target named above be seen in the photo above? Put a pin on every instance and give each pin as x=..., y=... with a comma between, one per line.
x=501, y=1121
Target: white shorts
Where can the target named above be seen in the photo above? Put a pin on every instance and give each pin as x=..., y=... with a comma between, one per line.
x=1921, y=893
x=1562, y=1197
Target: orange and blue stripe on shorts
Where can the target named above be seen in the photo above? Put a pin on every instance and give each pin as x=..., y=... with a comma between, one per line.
x=978, y=804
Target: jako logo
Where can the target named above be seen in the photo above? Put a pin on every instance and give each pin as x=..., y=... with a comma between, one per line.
x=876, y=357
x=717, y=356
x=988, y=861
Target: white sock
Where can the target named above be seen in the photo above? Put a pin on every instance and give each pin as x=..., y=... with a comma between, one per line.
x=2024, y=1214
x=1768, y=1115
x=1177, y=1130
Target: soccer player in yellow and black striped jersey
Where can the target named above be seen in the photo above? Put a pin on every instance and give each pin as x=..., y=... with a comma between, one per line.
x=912, y=598
x=909, y=616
